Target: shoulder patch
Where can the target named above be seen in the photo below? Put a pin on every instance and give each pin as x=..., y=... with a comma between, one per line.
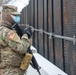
x=14, y=37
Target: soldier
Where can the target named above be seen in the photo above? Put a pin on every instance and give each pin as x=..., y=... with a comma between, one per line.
x=12, y=47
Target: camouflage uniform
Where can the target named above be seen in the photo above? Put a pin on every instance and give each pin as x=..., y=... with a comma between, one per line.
x=12, y=47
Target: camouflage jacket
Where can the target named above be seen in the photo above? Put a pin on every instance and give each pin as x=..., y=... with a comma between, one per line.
x=12, y=47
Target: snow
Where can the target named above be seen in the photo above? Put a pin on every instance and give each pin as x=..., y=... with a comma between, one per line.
x=47, y=68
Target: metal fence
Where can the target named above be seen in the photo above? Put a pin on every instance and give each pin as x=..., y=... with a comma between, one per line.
x=57, y=17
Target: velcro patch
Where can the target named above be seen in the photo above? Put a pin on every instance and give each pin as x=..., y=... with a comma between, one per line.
x=12, y=35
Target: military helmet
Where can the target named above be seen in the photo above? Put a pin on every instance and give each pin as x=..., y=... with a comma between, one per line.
x=11, y=9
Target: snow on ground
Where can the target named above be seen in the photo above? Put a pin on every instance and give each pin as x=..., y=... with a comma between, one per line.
x=47, y=68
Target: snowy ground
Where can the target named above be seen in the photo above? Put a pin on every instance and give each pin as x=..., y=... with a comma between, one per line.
x=47, y=68
x=32, y=71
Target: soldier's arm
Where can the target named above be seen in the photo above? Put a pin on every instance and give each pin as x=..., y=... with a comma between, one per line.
x=19, y=45
x=16, y=43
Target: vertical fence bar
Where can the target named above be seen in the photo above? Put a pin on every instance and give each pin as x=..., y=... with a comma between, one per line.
x=40, y=25
x=32, y=12
x=62, y=33
x=22, y=17
x=57, y=30
x=50, y=41
x=45, y=28
x=35, y=22
x=53, y=30
x=28, y=13
x=37, y=28
x=32, y=16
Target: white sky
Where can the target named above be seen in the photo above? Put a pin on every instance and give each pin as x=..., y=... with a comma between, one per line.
x=19, y=3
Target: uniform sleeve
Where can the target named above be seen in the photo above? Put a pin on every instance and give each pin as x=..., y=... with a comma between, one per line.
x=20, y=46
x=16, y=43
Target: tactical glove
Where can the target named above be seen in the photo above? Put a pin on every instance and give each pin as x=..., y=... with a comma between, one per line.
x=28, y=31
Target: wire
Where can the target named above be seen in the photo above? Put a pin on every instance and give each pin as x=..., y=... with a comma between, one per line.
x=52, y=34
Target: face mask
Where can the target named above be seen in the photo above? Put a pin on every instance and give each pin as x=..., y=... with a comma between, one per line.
x=16, y=19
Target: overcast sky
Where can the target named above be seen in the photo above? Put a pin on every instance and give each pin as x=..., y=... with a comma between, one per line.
x=19, y=3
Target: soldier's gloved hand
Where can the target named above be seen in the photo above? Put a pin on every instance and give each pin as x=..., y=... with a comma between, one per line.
x=28, y=31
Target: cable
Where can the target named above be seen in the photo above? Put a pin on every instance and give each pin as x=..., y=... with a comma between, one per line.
x=52, y=34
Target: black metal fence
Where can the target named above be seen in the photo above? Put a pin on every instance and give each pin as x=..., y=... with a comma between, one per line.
x=57, y=17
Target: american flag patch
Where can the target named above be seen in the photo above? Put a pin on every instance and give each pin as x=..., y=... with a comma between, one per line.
x=12, y=35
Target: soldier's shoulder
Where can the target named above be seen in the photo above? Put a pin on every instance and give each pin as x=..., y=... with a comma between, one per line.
x=12, y=35
x=4, y=29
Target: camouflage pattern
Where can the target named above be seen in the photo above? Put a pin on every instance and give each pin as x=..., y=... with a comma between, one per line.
x=11, y=71
x=12, y=51
x=11, y=9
